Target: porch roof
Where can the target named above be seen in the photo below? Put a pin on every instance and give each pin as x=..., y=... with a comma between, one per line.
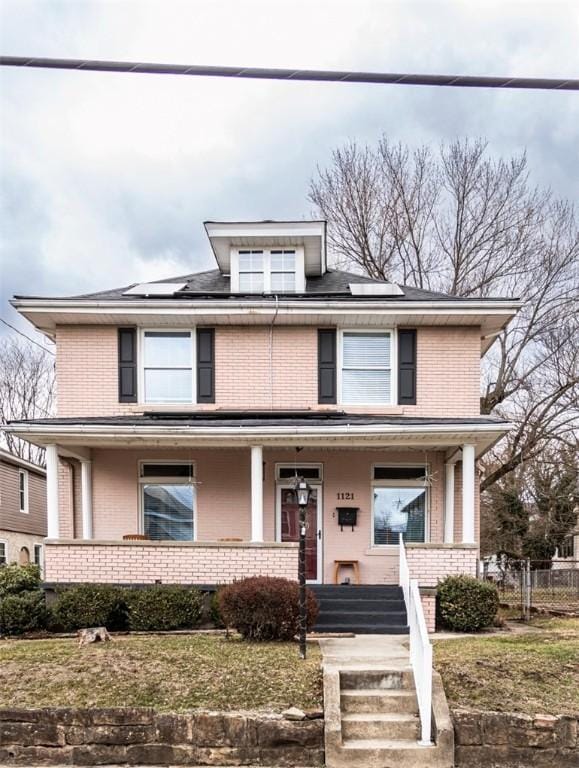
x=286, y=428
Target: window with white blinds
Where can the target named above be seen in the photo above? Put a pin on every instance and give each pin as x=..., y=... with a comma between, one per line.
x=168, y=366
x=168, y=500
x=366, y=368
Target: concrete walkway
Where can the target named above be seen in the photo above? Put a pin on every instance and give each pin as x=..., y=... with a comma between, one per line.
x=366, y=651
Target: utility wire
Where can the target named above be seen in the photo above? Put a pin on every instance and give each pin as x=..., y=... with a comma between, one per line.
x=301, y=75
x=45, y=349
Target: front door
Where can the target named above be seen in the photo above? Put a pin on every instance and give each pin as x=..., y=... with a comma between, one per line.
x=289, y=528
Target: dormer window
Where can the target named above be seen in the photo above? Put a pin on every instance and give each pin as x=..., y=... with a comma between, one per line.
x=267, y=270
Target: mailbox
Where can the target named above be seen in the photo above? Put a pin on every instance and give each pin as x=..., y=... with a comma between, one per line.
x=347, y=516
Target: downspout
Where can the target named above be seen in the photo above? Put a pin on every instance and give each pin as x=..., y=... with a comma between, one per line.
x=271, y=352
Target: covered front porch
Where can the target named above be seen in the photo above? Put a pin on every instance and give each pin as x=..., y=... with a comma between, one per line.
x=207, y=503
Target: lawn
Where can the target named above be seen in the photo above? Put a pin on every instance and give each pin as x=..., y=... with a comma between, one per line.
x=533, y=672
x=170, y=673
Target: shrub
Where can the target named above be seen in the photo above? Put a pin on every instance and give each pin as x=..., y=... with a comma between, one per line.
x=265, y=608
x=214, y=611
x=466, y=604
x=16, y=578
x=90, y=605
x=163, y=608
x=24, y=612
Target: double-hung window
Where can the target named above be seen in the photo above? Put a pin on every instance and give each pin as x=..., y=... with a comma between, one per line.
x=23, y=490
x=3, y=553
x=168, y=366
x=168, y=500
x=38, y=559
x=399, y=504
x=268, y=270
x=366, y=368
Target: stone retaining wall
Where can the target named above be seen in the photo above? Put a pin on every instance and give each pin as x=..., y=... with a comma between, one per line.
x=511, y=740
x=144, y=737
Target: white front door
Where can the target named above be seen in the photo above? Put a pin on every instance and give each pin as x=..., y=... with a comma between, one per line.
x=287, y=526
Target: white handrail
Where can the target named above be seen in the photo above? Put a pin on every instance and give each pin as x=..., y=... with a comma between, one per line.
x=420, y=646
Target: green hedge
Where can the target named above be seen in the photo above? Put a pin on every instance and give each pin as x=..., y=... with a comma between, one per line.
x=16, y=578
x=90, y=605
x=465, y=604
x=163, y=608
x=158, y=608
x=25, y=612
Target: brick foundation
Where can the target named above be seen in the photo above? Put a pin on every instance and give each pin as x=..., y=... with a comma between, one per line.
x=147, y=562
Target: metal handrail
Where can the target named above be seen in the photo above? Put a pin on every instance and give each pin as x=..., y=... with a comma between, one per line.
x=420, y=646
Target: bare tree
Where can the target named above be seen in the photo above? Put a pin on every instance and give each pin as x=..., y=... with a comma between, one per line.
x=459, y=222
x=26, y=390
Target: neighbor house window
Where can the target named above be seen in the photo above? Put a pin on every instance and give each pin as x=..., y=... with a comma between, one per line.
x=168, y=500
x=23, y=490
x=168, y=366
x=38, y=555
x=567, y=548
x=366, y=368
x=275, y=270
x=3, y=552
x=400, y=498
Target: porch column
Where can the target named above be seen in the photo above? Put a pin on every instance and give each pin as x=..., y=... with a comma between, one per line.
x=449, y=503
x=256, y=493
x=468, y=480
x=51, y=456
x=86, y=498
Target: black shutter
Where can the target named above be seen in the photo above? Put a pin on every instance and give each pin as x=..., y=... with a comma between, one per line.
x=327, y=365
x=127, y=365
x=407, y=367
x=205, y=365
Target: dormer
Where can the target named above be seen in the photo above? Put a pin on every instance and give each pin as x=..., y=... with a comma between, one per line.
x=271, y=257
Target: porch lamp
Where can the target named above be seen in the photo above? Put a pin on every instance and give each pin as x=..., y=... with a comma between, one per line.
x=302, y=491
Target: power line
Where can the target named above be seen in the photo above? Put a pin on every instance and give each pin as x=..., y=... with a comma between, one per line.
x=300, y=75
x=50, y=352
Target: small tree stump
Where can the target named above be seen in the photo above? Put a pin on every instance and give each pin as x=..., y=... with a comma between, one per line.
x=93, y=635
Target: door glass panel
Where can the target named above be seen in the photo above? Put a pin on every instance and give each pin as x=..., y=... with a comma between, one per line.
x=290, y=527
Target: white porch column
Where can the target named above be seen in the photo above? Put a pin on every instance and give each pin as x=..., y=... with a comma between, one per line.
x=449, y=503
x=51, y=455
x=86, y=498
x=468, y=480
x=256, y=493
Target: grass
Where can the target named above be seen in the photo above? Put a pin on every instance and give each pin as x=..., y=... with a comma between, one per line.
x=537, y=671
x=169, y=673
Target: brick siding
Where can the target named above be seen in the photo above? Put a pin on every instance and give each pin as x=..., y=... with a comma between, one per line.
x=430, y=564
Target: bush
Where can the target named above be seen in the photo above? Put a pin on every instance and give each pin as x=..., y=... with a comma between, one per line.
x=16, y=578
x=214, y=612
x=466, y=604
x=24, y=612
x=90, y=605
x=164, y=608
x=265, y=608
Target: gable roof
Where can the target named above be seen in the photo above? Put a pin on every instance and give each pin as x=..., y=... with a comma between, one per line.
x=214, y=284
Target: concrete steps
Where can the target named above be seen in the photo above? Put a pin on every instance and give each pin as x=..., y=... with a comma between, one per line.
x=373, y=725
x=365, y=609
x=374, y=700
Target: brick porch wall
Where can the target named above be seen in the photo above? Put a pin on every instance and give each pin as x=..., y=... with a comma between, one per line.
x=147, y=562
x=430, y=563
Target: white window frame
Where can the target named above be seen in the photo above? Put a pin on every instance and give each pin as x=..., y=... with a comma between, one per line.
x=300, y=273
x=291, y=465
x=142, y=481
x=393, y=364
x=23, y=475
x=4, y=543
x=141, y=372
x=400, y=484
x=38, y=548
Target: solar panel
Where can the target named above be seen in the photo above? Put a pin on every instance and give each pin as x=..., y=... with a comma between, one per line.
x=375, y=289
x=154, y=289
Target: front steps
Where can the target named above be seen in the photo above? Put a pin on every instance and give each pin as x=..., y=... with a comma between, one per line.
x=371, y=709
x=366, y=609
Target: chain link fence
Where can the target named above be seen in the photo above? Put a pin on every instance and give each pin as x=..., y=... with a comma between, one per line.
x=527, y=585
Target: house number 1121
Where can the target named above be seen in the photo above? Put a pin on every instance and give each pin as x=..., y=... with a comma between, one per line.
x=345, y=496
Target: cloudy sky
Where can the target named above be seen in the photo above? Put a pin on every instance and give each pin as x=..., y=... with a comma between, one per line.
x=106, y=179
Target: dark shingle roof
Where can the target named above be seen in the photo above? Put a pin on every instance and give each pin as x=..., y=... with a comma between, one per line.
x=213, y=284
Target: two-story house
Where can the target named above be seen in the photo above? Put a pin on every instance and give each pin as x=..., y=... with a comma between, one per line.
x=186, y=407
x=22, y=510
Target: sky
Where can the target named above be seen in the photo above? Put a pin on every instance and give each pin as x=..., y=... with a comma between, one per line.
x=105, y=179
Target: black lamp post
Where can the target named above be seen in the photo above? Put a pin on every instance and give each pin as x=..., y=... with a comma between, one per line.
x=302, y=490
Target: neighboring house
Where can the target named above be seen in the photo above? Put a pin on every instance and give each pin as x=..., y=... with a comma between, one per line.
x=186, y=407
x=22, y=510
